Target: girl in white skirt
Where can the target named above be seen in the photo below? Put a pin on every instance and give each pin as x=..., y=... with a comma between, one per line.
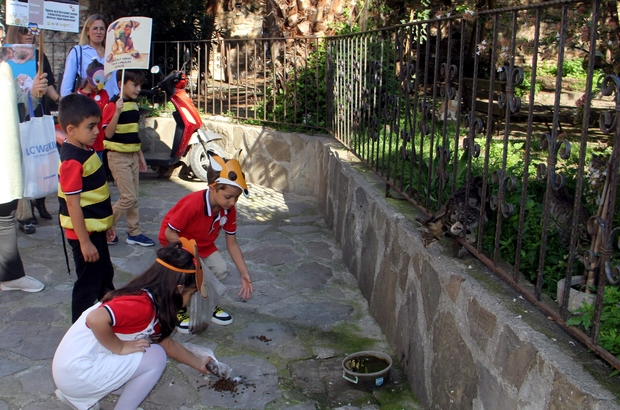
x=124, y=339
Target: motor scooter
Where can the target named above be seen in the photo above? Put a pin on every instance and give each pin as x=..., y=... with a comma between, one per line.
x=183, y=143
x=189, y=143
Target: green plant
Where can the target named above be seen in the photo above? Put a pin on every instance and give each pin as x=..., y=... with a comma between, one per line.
x=159, y=111
x=609, y=330
x=305, y=96
x=523, y=89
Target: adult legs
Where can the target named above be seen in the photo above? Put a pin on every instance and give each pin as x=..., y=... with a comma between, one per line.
x=11, y=266
x=147, y=374
x=25, y=216
x=39, y=204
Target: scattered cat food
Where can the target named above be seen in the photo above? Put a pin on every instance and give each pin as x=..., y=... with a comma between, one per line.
x=262, y=338
x=224, y=384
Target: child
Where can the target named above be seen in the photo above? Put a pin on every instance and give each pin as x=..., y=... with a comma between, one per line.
x=125, y=159
x=124, y=340
x=85, y=206
x=93, y=89
x=201, y=216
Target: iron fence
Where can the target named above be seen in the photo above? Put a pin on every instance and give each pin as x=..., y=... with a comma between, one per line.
x=267, y=80
x=488, y=122
x=500, y=125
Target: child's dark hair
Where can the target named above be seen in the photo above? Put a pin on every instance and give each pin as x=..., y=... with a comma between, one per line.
x=75, y=108
x=92, y=67
x=162, y=283
x=137, y=76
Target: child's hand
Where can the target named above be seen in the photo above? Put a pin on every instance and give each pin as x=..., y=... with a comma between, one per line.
x=142, y=163
x=203, y=366
x=119, y=105
x=133, y=346
x=89, y=252
x=110, y=234
x=246, y=287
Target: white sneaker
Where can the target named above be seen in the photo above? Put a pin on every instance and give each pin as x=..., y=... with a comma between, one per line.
x=25, y=283
x=64, y=400
x=67, y=403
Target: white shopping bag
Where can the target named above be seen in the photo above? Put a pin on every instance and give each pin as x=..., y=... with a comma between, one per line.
x=39, y=155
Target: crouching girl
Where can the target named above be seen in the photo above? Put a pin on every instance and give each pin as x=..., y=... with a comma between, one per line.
x=124, y=339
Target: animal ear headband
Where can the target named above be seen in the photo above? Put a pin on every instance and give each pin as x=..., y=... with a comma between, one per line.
x=230, y=173
x=190, y=246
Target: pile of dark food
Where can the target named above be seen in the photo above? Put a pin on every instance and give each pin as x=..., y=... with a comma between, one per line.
x=224, y=385
x=234, y=386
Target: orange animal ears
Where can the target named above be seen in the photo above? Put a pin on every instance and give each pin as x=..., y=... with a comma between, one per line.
x=230, y=173
x=190, y=246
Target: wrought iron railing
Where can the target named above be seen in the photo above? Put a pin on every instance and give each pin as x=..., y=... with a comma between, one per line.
x=431, y=105
x=490, y=116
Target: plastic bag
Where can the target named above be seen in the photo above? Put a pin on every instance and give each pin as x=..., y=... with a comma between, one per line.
x=39, y=155
x=200, y=309
x=214, y=366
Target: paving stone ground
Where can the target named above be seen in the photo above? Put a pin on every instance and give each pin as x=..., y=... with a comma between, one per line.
x=287, y=341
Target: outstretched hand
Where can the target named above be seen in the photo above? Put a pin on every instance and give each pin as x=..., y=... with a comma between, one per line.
x=246, y=287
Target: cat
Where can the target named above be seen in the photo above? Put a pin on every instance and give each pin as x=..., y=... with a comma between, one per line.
x=560, y=208
x=457, y=216
x=595, y=177
x=453, y=107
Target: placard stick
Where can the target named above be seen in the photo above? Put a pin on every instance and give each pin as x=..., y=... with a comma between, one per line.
x=122, y=84
x=41, y=34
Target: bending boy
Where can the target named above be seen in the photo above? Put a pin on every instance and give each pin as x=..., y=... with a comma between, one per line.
x=201, y=216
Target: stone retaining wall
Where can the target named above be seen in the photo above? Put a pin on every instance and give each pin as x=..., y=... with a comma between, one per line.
x=464, y=339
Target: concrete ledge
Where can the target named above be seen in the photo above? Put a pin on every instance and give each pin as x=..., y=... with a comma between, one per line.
x=464, y=339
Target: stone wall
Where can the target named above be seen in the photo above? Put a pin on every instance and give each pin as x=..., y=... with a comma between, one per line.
x=464, y=339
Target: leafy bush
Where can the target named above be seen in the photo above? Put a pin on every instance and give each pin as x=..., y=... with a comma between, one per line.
x=306, y=95
x=609, y=331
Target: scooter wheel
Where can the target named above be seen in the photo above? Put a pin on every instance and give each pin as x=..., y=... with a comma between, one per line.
x=199, y=161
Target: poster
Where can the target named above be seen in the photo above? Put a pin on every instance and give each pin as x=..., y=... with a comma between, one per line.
x=23, y=64
x=128, y=44
x=61, y=15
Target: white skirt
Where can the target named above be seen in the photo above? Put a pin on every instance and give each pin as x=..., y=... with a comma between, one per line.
x=84, y=370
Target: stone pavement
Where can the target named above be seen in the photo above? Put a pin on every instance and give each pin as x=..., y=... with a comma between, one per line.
x=287, y=341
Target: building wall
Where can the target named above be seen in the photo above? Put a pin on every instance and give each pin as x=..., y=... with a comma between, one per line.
x=463, y=337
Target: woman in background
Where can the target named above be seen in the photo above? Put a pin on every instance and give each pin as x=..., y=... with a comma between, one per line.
x=91, y=46
x=25, y=214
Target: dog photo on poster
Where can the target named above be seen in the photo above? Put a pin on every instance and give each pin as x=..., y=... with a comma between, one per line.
x=128, y=44
x=21, y=59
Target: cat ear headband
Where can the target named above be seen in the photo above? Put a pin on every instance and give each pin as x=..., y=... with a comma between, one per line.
x=190, y=246
x=230, y=173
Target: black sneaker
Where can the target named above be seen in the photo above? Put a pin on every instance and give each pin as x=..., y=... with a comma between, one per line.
x=113, y=241
x=27, y=227
x=183, y=326
x=221, y=317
